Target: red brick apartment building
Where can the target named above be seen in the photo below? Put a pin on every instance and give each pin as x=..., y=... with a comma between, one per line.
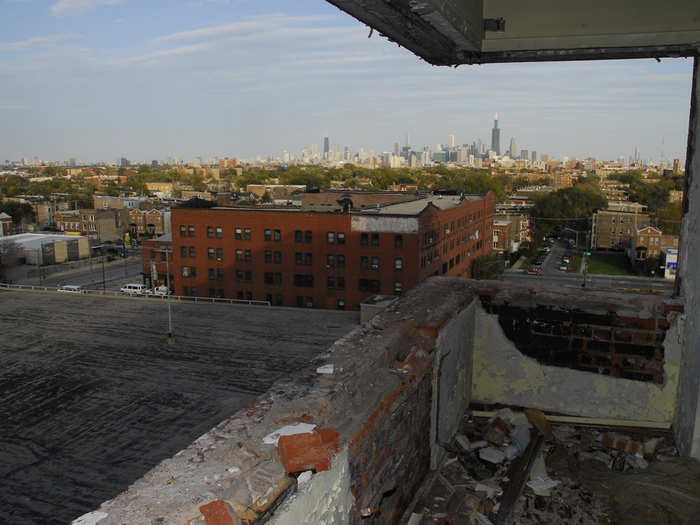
x=327, y=259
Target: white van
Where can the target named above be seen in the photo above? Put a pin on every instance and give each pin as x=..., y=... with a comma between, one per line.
x=133, y=289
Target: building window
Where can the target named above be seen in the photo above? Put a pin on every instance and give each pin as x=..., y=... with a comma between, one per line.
x=368, y=285
x=164, y=255
x=212, y=292
x=239, y=276
x=398, y=287
x=219, y=232
x=375, y=263
x=303, y=280
x=308, y=236
x=248, y=256
x=340, y=261
x=212, y=274
x=298, y=236
x=246, y=234
x=278, y=257
x=249, y=296
x=308, y=259
x=340, y=283
x=331, y=237
x=330, y=261
x=190, y=232
x=364, y=239
x=277, y=236
x=193, y=291
x=219, y=274
x=300, y=301
x=183, y=251
x=278, y=300
x=185, y=291
x=330, y=283
x=239, y=295
x=375, y=239
x=268, y=298
x=210, y=253
x=268, y=235
x=398, y=264
x=238, y=233
x=219, y=254
x=192, y=251
x=189, y=271
x=268, y=278
x=183, y=230
x=398, y=241
x=268, y=256
x=210, y=231
x=340, y=304
x=278, y=278
x=364, y=262
x=341, y=238
x=298, y=258
x=153, y=255
x=220, y=293
x=239, y=255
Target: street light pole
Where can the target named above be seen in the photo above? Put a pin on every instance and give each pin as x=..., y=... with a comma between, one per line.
x=104, y=283
x=171, y=338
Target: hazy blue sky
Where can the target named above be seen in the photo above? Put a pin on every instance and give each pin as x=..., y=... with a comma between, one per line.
x=100, y=79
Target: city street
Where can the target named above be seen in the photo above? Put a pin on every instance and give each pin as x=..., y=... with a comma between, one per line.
x=116, y=274
x=552, y=273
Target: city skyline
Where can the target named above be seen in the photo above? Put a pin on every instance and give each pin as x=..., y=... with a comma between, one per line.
x=99, y=80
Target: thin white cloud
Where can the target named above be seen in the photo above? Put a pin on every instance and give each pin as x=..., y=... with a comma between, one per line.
x=151, y=58
x=249, y=25
x=63, y=7
x=37, y=41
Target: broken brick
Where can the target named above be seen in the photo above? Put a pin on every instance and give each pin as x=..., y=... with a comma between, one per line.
x=311, y=451
x=621, y=442
x=219, y=512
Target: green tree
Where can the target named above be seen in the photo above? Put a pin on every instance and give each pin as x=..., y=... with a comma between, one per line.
x=670, y=218
x=488, y=267
x=266, y=198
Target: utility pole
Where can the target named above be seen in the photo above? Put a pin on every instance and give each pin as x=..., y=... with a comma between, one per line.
x=104, y=282
x=171, y=337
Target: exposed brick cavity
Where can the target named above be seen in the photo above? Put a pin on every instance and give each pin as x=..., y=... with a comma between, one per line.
x=602, y=343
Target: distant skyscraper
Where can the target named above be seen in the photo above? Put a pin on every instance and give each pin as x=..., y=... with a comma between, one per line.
x=451, y=141
x=397, y=148
x=123, y=162
x=496, y=136
x=533, y=156
x=326, y=147
x=523, y=154
x=513, y=151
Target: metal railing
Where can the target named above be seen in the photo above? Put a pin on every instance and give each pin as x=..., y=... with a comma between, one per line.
x=148, y=295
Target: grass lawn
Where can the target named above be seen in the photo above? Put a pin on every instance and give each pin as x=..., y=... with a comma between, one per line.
x=609, y=264
x=575, y=264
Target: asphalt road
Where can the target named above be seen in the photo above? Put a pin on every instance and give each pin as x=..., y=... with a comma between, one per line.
x=92, y=396
x=618, y=283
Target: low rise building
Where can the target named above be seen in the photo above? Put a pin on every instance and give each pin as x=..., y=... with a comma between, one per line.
x=292, y=257
x=44, y=249
x=504, y=236
x=5, y=224
x=157, y=260
x=646, y=244
x=148, y=223
x=613, y=229
x=102, y=224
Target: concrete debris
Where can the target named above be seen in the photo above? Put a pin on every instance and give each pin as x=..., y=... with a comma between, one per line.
x=484, y=461
x=325, y=369
x=304, y=479
x=233, y=470
x=288, y=430
x=90, y=519
x=492, y=455
x=541, y=485
x=482, y=520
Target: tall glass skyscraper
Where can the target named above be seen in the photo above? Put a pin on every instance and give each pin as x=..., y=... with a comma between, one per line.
x=326, y=147
x=496, y=136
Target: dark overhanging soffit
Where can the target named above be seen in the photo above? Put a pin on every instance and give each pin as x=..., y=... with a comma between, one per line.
x=454, y=32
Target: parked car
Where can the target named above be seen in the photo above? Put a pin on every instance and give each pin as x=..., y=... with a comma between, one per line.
x=160, y=291
x=133, y=289
x=563, y=267
x=566, y=259
x=71, y=288
x=534, y=271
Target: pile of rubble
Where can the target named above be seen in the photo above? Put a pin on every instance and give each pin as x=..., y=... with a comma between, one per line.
x=516, y=468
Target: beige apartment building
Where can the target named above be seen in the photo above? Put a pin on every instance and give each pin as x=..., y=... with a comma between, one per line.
x=612, y=229
x=103, y=224
x=149, y=223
